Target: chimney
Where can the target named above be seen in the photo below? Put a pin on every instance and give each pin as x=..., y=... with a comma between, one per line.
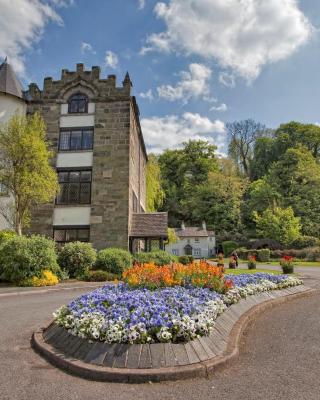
x=204, y=226
x=183, y=227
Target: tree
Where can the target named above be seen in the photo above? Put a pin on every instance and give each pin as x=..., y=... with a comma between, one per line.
x=24, y=168
x=296, y=178
x=264, y=154
x=155, y=193
x=279, y=224
x=243, y=135
x=182, y=172
x=218, y=201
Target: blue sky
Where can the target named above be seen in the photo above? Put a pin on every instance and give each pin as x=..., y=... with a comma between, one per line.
x=195, y=64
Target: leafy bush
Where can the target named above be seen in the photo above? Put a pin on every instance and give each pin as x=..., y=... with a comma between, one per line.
x=47, y=279
x=76, y=258
x=244, y=253
x=185, y=260
x=265, y=243
x=6, y=235
x=305, y=241
x=158, y=257
x=313, y=254
x=113, y=260
x=228, y=247
x=263, y=255
x=98, y=276
x=23, y=257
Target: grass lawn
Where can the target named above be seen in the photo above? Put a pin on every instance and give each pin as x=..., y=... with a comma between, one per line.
x=239, y=271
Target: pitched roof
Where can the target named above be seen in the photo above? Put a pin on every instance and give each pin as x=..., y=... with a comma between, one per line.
x=193, y=232
x=149, y=225
x=9, y=83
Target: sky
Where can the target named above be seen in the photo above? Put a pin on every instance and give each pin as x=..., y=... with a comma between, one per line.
x=195, y=64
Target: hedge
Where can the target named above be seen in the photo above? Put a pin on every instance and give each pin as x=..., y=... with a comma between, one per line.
x=113, y=260
x=98, y=276
x=228, y=247
x=76, y=258
x=24, y=257
x=158, y=257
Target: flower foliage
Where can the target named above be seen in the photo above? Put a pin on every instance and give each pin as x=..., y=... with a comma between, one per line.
x=122, y=314
x=200, y=274
x=47, y=279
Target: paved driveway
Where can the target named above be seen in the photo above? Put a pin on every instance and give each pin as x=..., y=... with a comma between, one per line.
x=280, y=359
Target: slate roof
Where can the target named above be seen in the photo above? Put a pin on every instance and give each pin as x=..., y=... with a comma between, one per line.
x=9, y=83
x=149, y=225
x=193, y=232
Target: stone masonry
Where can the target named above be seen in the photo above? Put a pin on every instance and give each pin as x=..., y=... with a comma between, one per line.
x=119, y=155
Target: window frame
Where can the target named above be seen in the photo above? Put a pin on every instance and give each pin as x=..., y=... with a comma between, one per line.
x=74, y=129
x=65, y=228
x=69, y=182
x=72, y=99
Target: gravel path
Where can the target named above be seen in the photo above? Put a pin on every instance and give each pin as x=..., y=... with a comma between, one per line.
x=280, y=359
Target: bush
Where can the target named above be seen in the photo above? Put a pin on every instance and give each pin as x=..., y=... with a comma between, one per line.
x=313, y=254
x=244, y=253
x=23, y=257
x=76, y=258
x=113, y=260
x=185, y=260
x=305, y=241
x=98, y=276
x=158, y=257
x=263, y=255
x=6, y=235
x=228, y=247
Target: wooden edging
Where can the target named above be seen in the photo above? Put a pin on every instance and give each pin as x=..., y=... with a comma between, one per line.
x=231, y=336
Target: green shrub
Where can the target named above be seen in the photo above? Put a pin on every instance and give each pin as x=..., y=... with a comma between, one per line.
x=158, y=257
x=185, y=260
x=76, y=258
x=244, y=253
x=228, y=247
x=98, y=276
x=305, y=241
x=263, y=255
x=23, y=257
x=313, y=254
x=113, y=260
x=6, y=235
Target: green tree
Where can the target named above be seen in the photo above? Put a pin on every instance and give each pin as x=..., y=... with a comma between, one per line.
x=278, y=223
x=218, y=201
x=155, y=192
x=25, y=168
x=264, y=154
x=296, y=178
x=182, y=172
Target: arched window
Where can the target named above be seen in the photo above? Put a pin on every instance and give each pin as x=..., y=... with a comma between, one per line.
x=78, y=103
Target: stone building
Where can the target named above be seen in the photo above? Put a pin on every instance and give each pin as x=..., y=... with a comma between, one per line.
x=99, y=153
x=194, y=241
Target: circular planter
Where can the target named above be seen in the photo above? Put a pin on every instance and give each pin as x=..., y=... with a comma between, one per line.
x=286, y=269
x=156, y=362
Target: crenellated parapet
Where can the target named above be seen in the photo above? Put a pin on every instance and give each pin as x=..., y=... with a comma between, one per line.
x=84, y=81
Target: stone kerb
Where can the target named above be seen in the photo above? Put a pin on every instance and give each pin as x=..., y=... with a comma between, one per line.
x=156, y=362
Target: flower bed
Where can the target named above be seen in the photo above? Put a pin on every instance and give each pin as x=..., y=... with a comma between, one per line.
x=123, y=314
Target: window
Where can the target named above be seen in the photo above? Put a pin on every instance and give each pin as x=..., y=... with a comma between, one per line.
x=75, y=187
x=71, y=234
x=197, y=252
x=196, y=240
x=72, y=139
x=78, y=103
x=134, y=202
x=175, y=252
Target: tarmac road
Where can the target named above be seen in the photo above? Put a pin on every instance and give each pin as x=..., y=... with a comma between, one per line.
x=280, y=358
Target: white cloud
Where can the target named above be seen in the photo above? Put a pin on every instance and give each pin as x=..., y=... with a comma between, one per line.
x=193, y=84
x=227, y=79
x=87, y=48
x=111, y=59
x=141, y=4
x=147, y=95
x=63, y=3
x=171, y=131
x=222, y=108
x=22, y=23
x=243, y=35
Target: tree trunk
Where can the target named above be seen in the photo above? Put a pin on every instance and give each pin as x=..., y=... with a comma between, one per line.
x=18, y=226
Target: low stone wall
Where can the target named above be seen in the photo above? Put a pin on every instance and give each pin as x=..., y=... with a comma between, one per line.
x=158, y=361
